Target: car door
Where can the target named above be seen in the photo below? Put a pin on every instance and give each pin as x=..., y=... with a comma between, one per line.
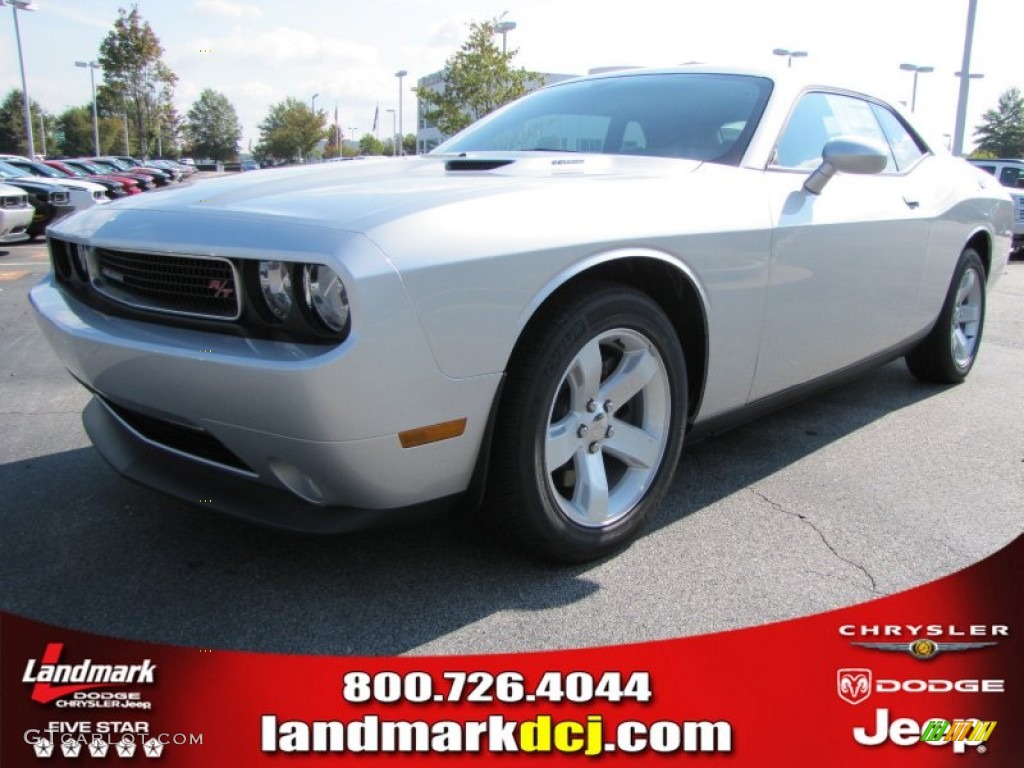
x=846, y=263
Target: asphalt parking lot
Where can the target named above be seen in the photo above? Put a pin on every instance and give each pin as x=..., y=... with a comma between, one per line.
x=863, y=491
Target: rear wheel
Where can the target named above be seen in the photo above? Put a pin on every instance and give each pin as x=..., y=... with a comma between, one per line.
x=948, y=353
x=591, y=424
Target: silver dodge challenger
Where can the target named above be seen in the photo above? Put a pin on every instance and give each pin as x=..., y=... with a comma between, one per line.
x=530, y=319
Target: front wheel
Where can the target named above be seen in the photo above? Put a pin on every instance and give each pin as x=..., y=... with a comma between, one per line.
x=948, y=353
x=591, y=424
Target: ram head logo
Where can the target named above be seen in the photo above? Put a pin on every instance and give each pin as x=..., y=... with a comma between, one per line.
x=853, y=685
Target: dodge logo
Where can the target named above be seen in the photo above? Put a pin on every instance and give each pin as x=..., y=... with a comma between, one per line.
x=853, y=685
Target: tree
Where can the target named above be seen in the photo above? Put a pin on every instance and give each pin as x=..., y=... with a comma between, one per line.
x=137, y=80
x=12, y=125
x=291, y=130
x=478, y=79
x=1001, y=132
x=75, y=127
x=213, y=129
x=370, y=145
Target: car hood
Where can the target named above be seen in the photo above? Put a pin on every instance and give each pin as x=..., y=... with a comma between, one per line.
x=87, y=186
x=362, y=194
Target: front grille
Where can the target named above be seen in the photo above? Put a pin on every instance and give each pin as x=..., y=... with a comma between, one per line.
x=182, y=285
x=192, y=441
x=1020, y=208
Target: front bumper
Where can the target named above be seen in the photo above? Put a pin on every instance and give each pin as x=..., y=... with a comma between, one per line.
x=230, y=493
x=314, y=429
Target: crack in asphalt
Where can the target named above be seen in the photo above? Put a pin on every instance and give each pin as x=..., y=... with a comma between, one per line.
x=824, y=540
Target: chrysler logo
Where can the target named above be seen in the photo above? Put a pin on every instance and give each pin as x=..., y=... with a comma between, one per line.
x=853, y=685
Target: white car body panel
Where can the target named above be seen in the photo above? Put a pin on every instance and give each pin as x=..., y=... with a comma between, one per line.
x=444, y=270
x=14, y=216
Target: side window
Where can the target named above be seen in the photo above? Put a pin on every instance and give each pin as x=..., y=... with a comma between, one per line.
x=988, y=169
x=1011, y=177
x=905, y=146
x=633, y=138
x=817, y=119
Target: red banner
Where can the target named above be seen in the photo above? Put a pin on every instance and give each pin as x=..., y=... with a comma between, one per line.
x=929, y=677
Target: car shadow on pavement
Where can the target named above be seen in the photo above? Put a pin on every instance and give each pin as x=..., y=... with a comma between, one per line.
x=84, y=549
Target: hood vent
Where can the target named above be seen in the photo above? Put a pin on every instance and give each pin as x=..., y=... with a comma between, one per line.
x=475, y=165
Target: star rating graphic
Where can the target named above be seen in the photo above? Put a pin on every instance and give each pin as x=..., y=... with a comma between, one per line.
x=125, y=748
x=71, y=748
x=154, y=748
x=98, y=747
x=43, y=748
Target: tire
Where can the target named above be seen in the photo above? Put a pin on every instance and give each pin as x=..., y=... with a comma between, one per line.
x=590, y=426
x=947, y=354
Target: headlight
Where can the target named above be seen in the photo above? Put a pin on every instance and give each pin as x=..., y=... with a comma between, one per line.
x=276, y=286
x=80, y=260
x=326, y=296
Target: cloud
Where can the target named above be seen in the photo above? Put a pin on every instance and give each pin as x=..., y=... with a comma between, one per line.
x=285, y=45
x=229, y=9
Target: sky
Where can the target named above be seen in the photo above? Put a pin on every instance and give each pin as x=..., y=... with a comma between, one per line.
x=258, y=52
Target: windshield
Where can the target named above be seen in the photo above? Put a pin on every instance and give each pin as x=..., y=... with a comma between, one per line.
x=72, y=171
x=43, y=170
x=10, y=172
x=91, y=167
x=685, y=115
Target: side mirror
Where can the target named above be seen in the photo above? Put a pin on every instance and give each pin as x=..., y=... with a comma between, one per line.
x=847, y=156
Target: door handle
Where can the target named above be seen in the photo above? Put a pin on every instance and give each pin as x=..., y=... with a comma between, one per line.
x=912, y=204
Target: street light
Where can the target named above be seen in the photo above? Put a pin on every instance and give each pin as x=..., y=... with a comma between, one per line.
x=965, y=82
x=23, y=5
x=790, y=55
x=400, y=74
x=916, y=70
x=503, y=28
x=394, y=133
x=92, y=66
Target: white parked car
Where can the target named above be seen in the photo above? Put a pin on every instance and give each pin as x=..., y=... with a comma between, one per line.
x=81, y=194
x=15, y=214
x=535, y=314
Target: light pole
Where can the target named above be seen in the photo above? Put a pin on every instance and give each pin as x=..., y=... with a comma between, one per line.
x=916, y=70
x=400, y=74
x=503, y=28
x=965, y=82
x=126, y=128
x=23, y=5
x=394, y=133
x=92, y=66
x=42, y=131
x=790, y=55
x=312, y=103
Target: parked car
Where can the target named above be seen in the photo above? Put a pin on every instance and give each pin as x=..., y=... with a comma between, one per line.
x=112, y=165
x=535, y=314
x=142, y=180
x=81, y=194
x=1010, y=173
x=128, y=186
x=183, y=171
x=126, y=163
x=49, y=202
x=15, y=214
x=249, y=165
x=112, y=189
